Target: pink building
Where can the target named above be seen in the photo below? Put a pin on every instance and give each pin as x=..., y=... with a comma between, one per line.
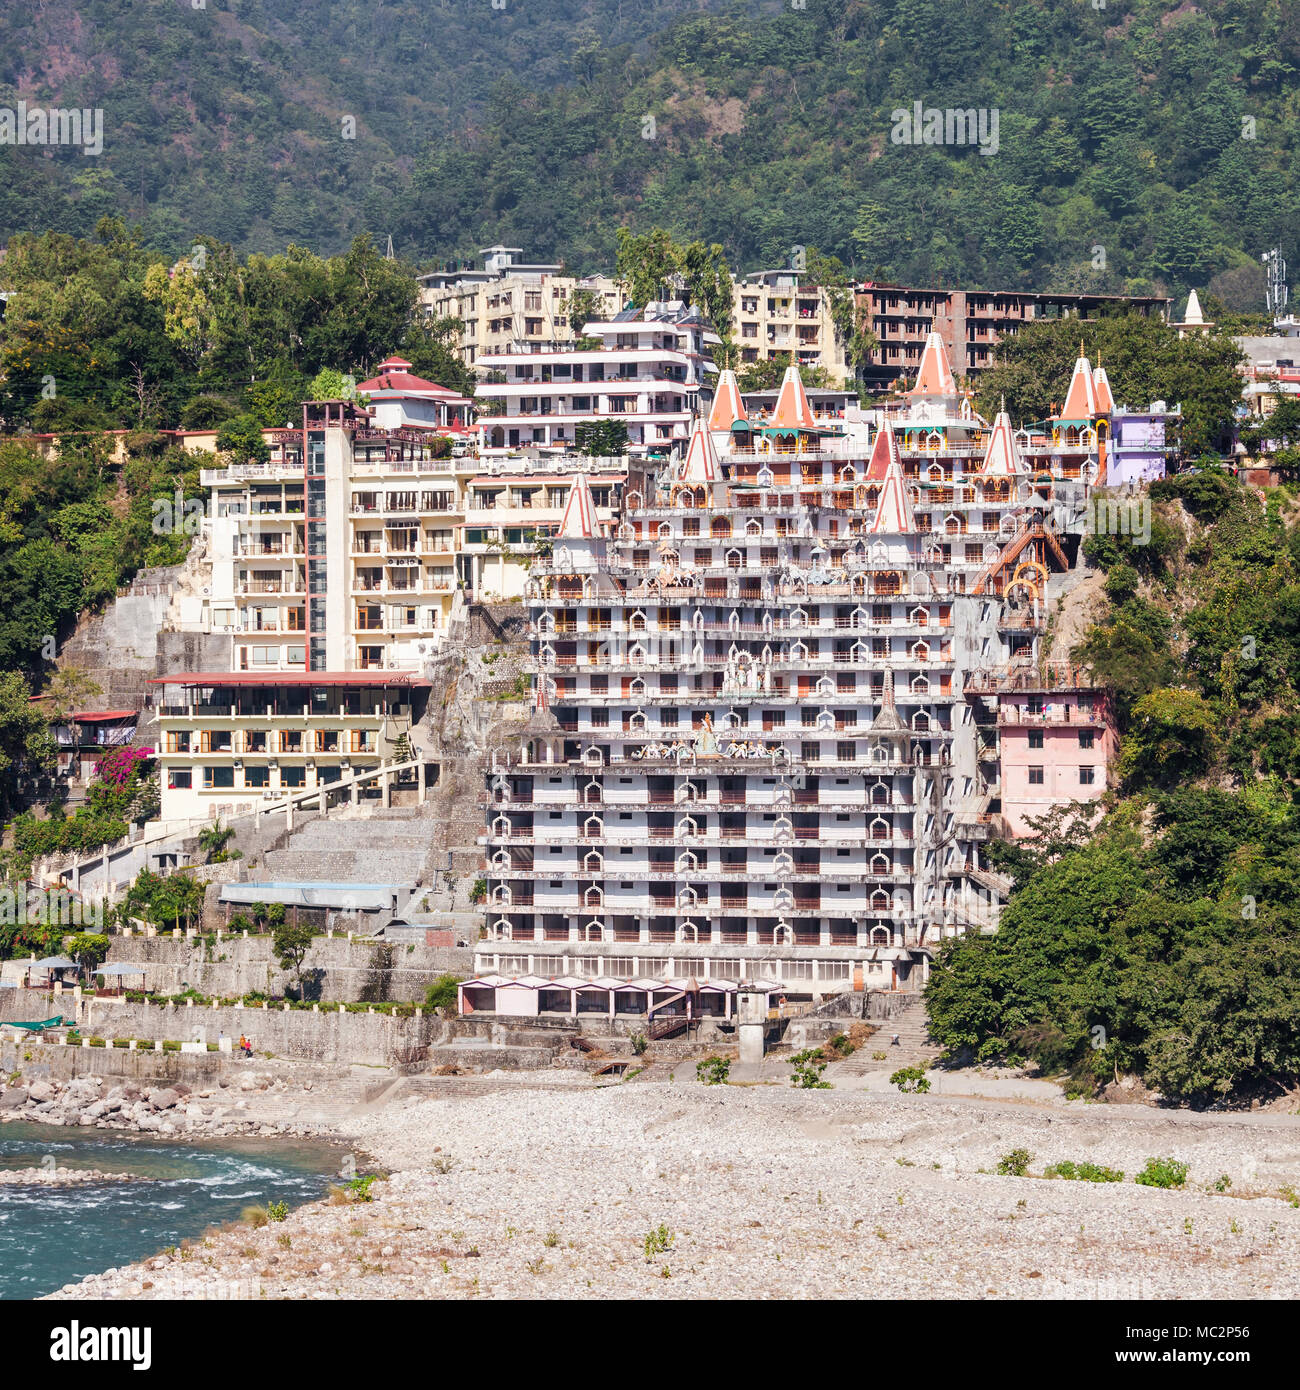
x=1056, y=741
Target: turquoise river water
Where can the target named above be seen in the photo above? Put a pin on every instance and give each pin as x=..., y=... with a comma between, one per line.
x=54, y=1236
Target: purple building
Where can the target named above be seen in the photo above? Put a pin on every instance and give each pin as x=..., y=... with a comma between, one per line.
x=1141, y=441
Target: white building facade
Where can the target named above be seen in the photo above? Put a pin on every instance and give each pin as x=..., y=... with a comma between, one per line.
x=755, y=753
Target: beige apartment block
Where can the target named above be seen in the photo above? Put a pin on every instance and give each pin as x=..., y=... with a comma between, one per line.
x=231, y=742
x=508, y=303
x=777, y=313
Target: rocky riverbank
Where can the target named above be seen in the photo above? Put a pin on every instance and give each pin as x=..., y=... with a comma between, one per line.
x=553, y=1187
x=246, y=1105
x=58, y=1177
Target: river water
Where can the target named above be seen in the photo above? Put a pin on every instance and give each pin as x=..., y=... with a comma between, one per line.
x=51, y=1236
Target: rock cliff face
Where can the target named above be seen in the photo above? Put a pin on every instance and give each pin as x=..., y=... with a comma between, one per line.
x=479, y=698
x=135, y=639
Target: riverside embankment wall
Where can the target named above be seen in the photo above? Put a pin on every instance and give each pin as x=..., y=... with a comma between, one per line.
x=325, y=1036
x=335, y=970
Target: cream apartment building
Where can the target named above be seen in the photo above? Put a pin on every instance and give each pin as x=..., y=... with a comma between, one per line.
x=509, y=302
x=777, y=313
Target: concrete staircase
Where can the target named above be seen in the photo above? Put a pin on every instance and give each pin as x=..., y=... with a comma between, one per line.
x=914, y=1049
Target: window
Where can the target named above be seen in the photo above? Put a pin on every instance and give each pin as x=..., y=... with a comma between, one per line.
x=1086, y=776
x=257, y=777
x=180, y=778
x=218, y=777
x=1035, y=776
x=1085, y=738
x=293, y=776
x=1035, y=738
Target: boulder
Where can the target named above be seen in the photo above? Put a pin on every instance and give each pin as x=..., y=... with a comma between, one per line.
x=13, y=1098
x=42, y=1091
x=163, y=1099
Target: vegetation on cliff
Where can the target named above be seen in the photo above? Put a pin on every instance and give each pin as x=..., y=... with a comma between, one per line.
x=1166, y=940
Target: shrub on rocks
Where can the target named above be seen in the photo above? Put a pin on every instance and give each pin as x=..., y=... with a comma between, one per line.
x=1014, y=1164
x=1162, y=1172
x=1083, y=1172
x=713, y=1071
x=808, y=1067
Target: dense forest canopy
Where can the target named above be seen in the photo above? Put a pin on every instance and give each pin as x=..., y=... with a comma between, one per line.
x=1138, y=146
x=101, y=332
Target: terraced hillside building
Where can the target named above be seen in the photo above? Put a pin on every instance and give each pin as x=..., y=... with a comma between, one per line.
x=761, y=747
x=338, y=569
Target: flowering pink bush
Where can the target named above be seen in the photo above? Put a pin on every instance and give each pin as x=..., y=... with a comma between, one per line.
x=118, y=767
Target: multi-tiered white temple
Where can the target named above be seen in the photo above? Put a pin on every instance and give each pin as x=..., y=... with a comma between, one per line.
x=754, y=753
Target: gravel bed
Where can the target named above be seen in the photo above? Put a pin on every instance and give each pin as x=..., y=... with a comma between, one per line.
x=550, y=1192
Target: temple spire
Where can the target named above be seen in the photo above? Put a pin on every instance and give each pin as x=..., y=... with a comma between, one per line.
x=1081, y=398
x=579, y=520
x=884, y=451
x=934, y=379
x=894, y=512
x=728, y=406
x=792, y=411
x=1000, y=458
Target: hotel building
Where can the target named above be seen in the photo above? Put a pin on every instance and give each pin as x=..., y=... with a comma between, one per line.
x=763, y=742
x=509, y=305
x=337, y=569
x=647, y=372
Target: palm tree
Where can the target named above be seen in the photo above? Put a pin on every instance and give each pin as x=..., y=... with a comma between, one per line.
x=214, y=839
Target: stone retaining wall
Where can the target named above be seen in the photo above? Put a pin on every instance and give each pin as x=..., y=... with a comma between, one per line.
x=335, y=969
x=327, y=1036
x=49, y=1061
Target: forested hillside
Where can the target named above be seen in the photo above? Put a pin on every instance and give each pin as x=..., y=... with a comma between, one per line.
x=1166, y=942
x=226, y=116
x=1125, y=157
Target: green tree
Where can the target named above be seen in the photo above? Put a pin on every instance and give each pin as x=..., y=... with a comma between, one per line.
x=600, y=438
x=1172, y=735
x=89, y=950
x=432, y=346
x=291, y=945
x=329, y=384
x=26, y=744
x=443, y=994
x=213, y=840
x=240, y=440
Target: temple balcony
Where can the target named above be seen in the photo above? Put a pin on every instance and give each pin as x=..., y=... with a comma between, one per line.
x=758, y=798
x=736, y=766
